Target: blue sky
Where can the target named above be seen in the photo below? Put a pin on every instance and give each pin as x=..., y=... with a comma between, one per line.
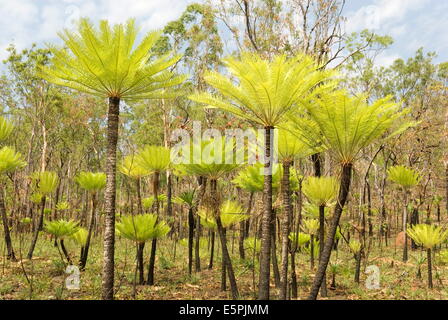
x=412, y=23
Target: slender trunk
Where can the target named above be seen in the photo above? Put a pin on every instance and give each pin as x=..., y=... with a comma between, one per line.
x=293, y=276
x=141, y=277
x=428, y=252
x=64, y=250
x=85, y=251
x=287, y=217
x=244, y=228
x=405, y=221
x=11, y=256
x=358, y=266
x=342, y=198
x=323, y=288
x=197, y=257
x=139, y=196
x=152, y=257
x=38, y=229
x=312, y=251
x=265, y=250
x=190, y=239
x=110, y=196
x=212, y=251
x=152, y=261
x=222, y=236
x=275, y=268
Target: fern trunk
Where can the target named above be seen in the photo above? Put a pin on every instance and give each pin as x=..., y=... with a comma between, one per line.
x=110, y=197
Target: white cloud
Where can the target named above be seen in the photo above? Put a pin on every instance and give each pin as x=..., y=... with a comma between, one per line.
x=26, y=21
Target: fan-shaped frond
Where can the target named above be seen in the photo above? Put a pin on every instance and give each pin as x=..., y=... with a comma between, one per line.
x=10, y=160
x=91, y=181
x=403, y=176
x=141, y=228
x=320, y=190
x=427, y=235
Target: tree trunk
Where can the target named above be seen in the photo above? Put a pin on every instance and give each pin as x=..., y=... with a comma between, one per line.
x=222, y=236
x=190, y=239
x=212, y=251
x=141, y=277
x=64, y=250
x=405, y=221
x=152, y=257
x=38, y=228
x=265, y=250
x=358, y=266
x=11, y=256
x=287, y=217
x=323, y=288
x=110, y=196
x=85, y=251
x=428, y=251
x=342, y=198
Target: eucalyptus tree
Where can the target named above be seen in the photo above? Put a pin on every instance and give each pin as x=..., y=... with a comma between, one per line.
x=155, y=159
x=321, y=192
x=106, y=62
x=93, y=182
x=406, y=178
x=264, y=92
x=45, y=183
x=346, y=125
x=427, y=236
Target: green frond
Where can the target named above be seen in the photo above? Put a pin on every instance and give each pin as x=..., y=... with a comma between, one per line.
x=403, y=176
x=265, y=91
x=320, y=190
x=153, y=158
x=107, y=62
x=80, y=236
x=252, y=244
x=10, y=160
x=141, y=228
x=231, y=213
x=130, y=168
x=91, y=181
x=6, y=128
x=61, y=228
x=349, y=124
x=311, y=226
x=355, y=246
x=300, y=238
x=427, y=235
x=148, y=202
x=185, y=198
x=45, y=182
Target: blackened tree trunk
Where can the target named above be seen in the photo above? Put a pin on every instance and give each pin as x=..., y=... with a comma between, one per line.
x=275, y=268
x=222, y=236
x=140, y=267
x=152, y=257
x=110, y=196
x=287, y=218
x=190, y=239
x=139, y=196
x=64, y=250
x=244, y=228
x=212, y=250
x=312, y=251
x=85, y=251
x=11, y=256
x=323, y=288
x=265, y=250
x=342, y=198
x=40, y=223
x=428, y=252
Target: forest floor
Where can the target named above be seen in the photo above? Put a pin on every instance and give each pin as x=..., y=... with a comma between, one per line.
x=44, y=276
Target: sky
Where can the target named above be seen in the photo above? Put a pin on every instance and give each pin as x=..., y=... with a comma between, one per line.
x=412, y=23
